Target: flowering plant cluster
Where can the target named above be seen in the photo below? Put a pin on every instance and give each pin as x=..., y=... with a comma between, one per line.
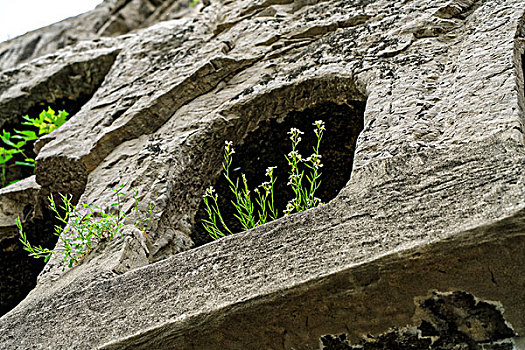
x=264, y=194
x=83, y=226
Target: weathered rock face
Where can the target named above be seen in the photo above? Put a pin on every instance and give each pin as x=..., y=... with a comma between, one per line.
x=109, y=19
x=422, y=243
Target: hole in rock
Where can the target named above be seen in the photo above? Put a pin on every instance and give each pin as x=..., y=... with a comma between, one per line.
x=69, y=89
x=454, y=320
x=14, y=172
x=19, y=271
x=267, y=146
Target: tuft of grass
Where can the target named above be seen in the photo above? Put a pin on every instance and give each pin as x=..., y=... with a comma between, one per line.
x=304, y=187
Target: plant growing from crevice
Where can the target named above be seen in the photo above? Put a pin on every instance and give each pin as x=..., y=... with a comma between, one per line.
x=82, y=227
x=15, y=142
x=246, y=213
x=304, y=195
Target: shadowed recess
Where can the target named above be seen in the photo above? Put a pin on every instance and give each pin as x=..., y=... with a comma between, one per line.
x=68, y=88
x=268, y=144
x=19, y=270
x=454, y=320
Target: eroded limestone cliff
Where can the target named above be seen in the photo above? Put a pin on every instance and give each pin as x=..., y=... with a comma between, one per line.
x=422, y=242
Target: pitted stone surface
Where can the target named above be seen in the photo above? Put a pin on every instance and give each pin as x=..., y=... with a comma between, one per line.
x=436, y=199
x=455, y=320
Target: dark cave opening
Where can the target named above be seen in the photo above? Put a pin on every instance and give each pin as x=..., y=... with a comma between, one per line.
x=71, y=106
x=455, y=320
x=19, y=270
x=267, y=146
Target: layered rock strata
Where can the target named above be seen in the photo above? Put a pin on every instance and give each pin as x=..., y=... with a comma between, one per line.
x=422, y=242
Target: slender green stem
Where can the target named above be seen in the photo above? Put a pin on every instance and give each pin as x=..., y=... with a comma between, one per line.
x=242, y=203
x=213, y=212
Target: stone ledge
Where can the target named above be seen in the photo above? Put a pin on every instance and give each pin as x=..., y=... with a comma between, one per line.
x=361, y=299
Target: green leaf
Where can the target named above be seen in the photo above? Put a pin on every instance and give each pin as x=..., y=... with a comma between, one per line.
x=20, y=144
x=32, y=165
x=61, y=119
x=6, y=137
x=27, y=135
x=4, y=158
x=44, y=113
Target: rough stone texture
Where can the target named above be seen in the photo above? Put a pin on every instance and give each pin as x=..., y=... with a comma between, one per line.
x=451, y=321
x=66, y=80
x=435, y=202
x=109, y=19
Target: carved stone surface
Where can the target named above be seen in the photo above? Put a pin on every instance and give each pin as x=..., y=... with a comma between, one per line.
x=425, y=103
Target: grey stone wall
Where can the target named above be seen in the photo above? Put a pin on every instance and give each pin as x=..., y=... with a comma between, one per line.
x=428, y=98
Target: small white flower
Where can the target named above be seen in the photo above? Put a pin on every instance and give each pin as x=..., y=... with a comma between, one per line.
x=228, y=147
x=295, y=131
x=269, y=171
x=293, y=179
x=266, y=186
x=319, y=124
x=210, y=192
x=289, y=207
x=295, y=155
